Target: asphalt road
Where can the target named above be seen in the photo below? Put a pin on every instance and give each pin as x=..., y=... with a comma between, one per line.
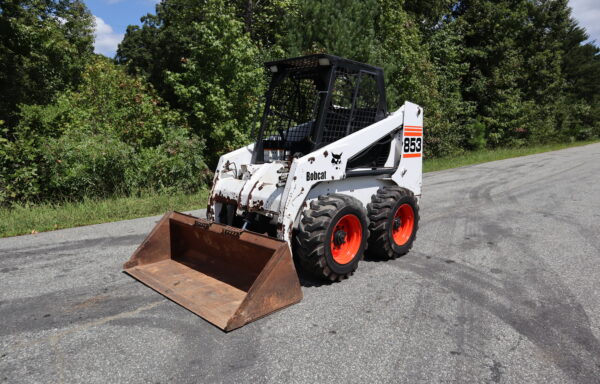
x=502, y=286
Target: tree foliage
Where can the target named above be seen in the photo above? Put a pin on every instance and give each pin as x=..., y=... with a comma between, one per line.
x=341, y=27
x=44, y=46
x=200, y=57
x=264, y=20
x=581, y=69
x=112, y=135
x=188, y=82
x=502, y=70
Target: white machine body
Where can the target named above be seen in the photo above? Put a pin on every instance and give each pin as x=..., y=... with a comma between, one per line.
x=280, y=190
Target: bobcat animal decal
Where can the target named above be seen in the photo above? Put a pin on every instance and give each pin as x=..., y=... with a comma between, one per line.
x=336, y=159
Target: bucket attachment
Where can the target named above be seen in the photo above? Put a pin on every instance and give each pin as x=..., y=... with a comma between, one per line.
x=225, y=275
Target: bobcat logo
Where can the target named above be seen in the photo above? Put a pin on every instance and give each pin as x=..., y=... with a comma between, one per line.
x=336, y=159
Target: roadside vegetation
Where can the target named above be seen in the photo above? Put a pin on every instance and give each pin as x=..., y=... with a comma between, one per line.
x=77, y=128
x=25, y=219
x=22, y=219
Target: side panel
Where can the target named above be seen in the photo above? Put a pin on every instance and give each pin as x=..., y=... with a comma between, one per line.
x=410, y=170
x=327, y=164
x=361, y=188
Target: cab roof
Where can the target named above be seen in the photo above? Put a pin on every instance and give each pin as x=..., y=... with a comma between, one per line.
x=319, y=60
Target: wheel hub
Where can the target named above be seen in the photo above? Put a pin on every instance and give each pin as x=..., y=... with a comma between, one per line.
x=339, y=237
x=402, y=224
x=346, y=239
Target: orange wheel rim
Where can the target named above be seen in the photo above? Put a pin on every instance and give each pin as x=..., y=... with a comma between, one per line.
x=345, y=239
x=402, y=224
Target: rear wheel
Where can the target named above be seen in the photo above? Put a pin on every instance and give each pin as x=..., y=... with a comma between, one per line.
x=332, y=237
x=394, y=220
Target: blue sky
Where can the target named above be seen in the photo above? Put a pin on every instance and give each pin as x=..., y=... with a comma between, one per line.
x=113, y=17
x=587, y=13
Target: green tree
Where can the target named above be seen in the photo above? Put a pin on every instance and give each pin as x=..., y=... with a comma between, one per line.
x=341, y=27
x=453, y=126
x=541, y=39
x=264, y=20
x=430, y=14
x=400, y=50
x=581, y=64
x=199, y=56
x=581, y=69
x=491, y=33
x=515, y=52
x=487, y=72
x=383, y=33
x=113, y=135
x=44, y=46
x=425, y=66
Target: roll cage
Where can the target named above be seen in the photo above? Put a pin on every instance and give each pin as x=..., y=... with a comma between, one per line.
x=316, y=100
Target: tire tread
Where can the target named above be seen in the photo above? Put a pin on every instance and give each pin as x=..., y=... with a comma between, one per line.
x=380, y=208
x=310, y=240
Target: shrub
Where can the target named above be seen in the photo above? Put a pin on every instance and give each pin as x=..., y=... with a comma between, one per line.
x=113, y=135
x=79, y=164
x=176, y=164
x=475, y=135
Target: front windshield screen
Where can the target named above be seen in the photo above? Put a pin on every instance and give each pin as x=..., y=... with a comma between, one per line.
x=290, y=116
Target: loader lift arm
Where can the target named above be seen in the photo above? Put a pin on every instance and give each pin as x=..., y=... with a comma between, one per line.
x=322, y=161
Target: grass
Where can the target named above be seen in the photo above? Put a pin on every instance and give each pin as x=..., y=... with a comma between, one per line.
x=26, y=219
x=486, y=155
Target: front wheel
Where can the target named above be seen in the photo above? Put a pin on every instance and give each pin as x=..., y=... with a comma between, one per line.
x=394, y=220
x=332, y=236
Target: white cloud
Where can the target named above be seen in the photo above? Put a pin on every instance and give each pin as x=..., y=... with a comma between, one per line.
x=107, y=40
x=587, y=14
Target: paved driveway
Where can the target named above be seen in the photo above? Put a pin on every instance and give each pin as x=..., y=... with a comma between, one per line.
x=503, y=286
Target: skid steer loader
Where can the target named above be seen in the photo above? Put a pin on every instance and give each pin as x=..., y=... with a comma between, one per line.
x=330, y=173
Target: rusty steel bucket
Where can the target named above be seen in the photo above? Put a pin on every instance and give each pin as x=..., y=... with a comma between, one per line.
x=225, y=275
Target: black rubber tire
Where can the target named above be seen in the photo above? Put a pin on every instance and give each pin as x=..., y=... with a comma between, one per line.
x=312, y=241
x=382, y=209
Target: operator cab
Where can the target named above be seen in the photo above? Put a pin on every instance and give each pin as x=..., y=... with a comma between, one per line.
x=316, y=100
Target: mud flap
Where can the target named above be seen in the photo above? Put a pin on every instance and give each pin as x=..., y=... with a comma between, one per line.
x=225, y=275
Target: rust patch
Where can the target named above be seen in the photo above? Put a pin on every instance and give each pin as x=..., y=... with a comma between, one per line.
x=224, y=199
x=239, y=199
x=256, y=205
